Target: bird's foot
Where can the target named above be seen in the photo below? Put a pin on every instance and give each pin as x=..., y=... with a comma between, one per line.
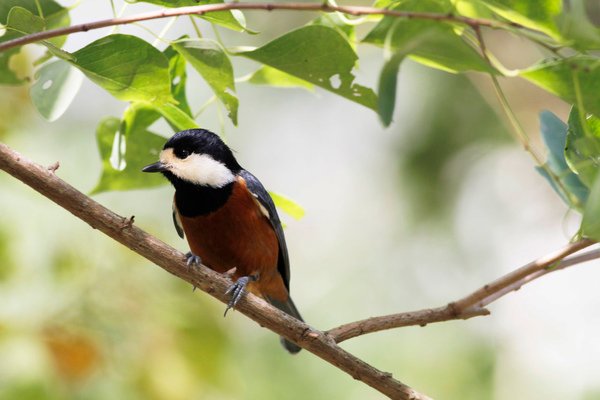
x=237, y=290
x=192, y=260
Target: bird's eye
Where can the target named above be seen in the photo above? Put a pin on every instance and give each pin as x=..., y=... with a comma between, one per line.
x=182, y=153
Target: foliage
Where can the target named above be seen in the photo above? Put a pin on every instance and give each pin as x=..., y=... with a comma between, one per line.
x=322, y=54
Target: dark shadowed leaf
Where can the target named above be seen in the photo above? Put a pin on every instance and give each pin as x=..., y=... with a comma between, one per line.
x=55, y=87
x=319, y=55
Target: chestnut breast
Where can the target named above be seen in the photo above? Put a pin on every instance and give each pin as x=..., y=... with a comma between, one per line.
x=236, y=235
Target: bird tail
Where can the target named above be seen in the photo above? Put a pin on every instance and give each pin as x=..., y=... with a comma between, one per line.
x=289, y=308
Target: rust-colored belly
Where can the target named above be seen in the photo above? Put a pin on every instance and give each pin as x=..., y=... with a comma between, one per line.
x=239, y=236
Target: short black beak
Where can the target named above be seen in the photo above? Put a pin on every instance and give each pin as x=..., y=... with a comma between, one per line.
x=156, y=167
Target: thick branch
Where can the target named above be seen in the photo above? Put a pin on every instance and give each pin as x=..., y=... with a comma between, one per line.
x=208, y=8
x=122, y=230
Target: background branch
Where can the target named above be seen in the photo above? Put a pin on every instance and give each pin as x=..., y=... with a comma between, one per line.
x=474, y=304
x=208, y=8
x=45, y=181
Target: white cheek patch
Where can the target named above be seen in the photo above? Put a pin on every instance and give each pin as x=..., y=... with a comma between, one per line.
x=200, y=169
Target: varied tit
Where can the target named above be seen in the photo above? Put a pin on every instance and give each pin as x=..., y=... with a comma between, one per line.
x=228, y=217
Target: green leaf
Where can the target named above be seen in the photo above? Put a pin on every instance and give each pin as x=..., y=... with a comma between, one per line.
x=126, y=147
x=177, y=118
x=388, y=78
x=444, y=48
x=209, y=59
x=54, y=15
x=590, y=224
x=554, y=134
x=319, y=55
x=128, y=68
x=178, y=75
x=274, y=77
x=55, y=87
x=580, y=23
x=562, y=77
x=583, y=146
x=539, y=15
x=233, y=20
x=287, y=205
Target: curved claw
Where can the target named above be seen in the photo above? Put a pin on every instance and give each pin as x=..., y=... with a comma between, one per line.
x=237, y=291
x=192, y=259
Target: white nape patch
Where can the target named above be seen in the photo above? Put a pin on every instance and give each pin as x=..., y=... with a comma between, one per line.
x=200, y=169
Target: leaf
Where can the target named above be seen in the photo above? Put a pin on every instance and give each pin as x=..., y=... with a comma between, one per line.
x=125, y=147
x=55, y=87
x=128, y=68
x=209, y=59
x=54, y=15
x=560, y=77
x=233, y=20
x=579, y=23
x=178, y=76
x=554, y=134
x=274, y=77
x=177, y=118
x=319, y=55
x=287, y=205
x=444, y=48
x=539, y=15
x=590, y=224
x=583, y=146
x=388, y=78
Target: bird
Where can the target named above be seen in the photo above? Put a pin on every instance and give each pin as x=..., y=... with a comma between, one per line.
x=229, y=219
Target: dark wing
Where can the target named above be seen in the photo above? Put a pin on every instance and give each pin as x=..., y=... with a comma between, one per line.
x=261, y=194
x=177, y=220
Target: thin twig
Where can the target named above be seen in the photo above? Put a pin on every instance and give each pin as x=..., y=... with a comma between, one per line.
x=208, y=8
x=125, y=232
x=474, y=304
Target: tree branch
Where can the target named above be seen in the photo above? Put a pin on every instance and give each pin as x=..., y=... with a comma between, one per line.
x=208, y=8
x=474, y=304
x=122, y=230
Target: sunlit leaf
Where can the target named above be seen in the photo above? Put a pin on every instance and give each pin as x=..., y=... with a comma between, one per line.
x=539, y=15
x=229, y=19
x=274, y=77
x=177, y=118
x=319, y=55
x=560, y=77
x=126, y=147
x=127, y=67
x=287, y=205
x=444, y=48
x=210, y=60
x=583, y=146
x=564, y=181
x=55, y=88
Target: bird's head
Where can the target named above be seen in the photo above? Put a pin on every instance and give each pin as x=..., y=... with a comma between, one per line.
x=198, y=157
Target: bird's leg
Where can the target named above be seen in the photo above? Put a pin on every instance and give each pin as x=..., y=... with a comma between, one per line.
x=238, y=289
x=192, y=260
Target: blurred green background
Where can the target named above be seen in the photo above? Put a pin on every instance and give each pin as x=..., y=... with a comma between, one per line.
x=397, y=219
